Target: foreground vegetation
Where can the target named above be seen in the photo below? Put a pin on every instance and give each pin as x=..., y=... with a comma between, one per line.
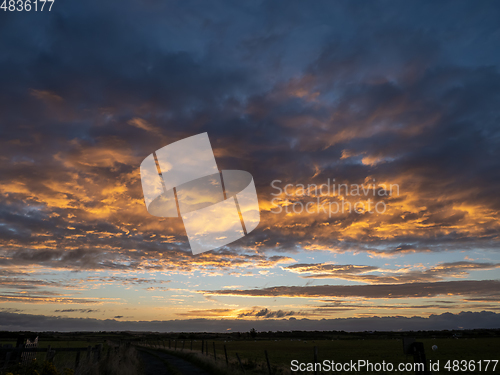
x=250, y=347
x=116, y=359
x=342, y=347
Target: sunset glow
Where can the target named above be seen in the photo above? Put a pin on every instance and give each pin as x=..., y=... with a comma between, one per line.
x=405, y=108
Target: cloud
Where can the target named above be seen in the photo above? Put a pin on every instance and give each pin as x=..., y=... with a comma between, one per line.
x=125, y=280
x=462, y=320
x=302, y=97
x=388, y=276
x=268, y=314
x=218, y=313
x=46, y=95
x=44, y=297
x=469, y=288
x=334, y=269
x=143, y=124
x=76, y=165
x=155, y=254
x=256, y=312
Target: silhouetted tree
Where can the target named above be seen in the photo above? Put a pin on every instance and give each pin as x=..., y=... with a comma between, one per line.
x=253, y=333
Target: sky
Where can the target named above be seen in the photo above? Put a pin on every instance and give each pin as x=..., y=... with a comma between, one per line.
x=397, y=98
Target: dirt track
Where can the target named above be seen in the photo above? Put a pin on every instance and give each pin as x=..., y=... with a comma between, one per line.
x=157, y=362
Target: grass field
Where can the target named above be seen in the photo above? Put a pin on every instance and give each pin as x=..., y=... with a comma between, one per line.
x=282, y=348
x=61, y=359
x=282, y=351
x=114, y=359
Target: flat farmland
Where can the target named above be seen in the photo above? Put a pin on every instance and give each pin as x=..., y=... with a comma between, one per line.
x=281, y=352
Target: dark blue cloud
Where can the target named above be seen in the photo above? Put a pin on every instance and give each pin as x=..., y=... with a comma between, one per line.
x=283, y=87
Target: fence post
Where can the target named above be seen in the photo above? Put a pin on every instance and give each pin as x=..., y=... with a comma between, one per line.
x=225, y=353
x=17, y=355
x=169, y=346
x=315, y=359
x=89, y=352
x=268, y=364
x=50, y=354
x=215, y=356
x=7, y=359
x=241, y=364
x=183, y=342
x=191, y=345
x=175, y=344
x=419, y=357
x=202, y=346
x=77, y=360
x=98, y=349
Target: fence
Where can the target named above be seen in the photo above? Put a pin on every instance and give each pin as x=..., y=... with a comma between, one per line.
x=25, y=352
x=409, y=347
